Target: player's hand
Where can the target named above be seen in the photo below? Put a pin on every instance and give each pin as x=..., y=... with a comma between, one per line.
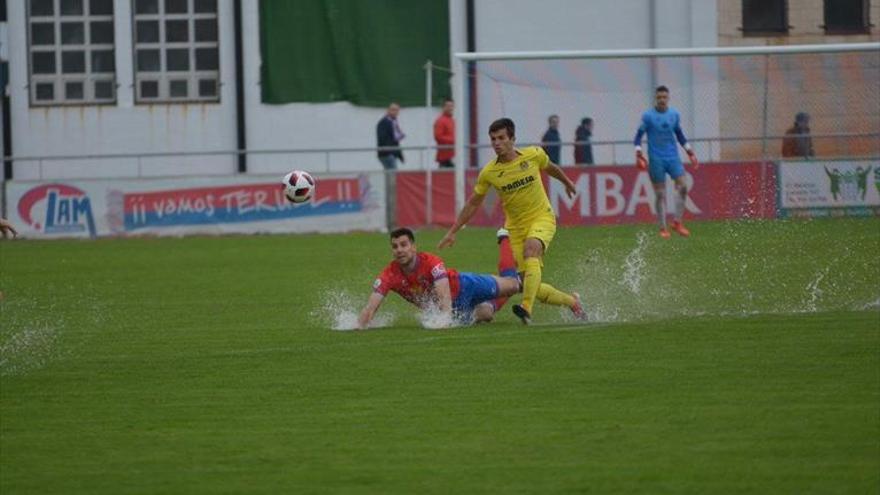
x=447, y=241
x=695, y=164
x=570, y=191
x=7, y=228
x=641, y=163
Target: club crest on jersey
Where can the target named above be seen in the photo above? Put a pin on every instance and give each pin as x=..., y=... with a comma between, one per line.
x=57, y=209
x=524, y=166
x=438, y=271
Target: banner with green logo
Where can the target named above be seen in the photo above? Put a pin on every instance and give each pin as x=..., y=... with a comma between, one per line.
x=829, y=188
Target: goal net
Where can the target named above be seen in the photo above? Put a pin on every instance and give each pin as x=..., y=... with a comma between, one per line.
x=736, y=103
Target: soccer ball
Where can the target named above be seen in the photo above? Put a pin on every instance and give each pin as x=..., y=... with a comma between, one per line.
x=299, y=186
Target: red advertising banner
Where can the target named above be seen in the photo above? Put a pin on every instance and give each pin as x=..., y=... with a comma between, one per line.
x=606, y=195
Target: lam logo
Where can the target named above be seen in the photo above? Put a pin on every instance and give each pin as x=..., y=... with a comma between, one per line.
x=57, y=209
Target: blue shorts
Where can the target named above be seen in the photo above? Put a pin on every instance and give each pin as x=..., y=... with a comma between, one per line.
x=474, y=288
x=659, y=167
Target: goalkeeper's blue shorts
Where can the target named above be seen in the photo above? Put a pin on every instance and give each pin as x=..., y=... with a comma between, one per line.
x=659, y=167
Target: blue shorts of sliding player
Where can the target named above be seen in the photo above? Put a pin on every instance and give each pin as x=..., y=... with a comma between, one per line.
x=474, y=288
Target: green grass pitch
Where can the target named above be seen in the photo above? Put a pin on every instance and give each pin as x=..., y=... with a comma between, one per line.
x=745, y=359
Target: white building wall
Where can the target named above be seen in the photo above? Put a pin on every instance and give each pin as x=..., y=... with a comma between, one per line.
x=124, y=127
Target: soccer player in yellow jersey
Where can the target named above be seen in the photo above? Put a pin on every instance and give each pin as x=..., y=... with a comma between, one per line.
x=516, y=176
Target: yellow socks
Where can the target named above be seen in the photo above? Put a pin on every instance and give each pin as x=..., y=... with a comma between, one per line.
x=534, y=289
x=531, y=282
x=551, y=295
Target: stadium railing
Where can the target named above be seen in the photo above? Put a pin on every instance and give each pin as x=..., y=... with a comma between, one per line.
x=337, y=160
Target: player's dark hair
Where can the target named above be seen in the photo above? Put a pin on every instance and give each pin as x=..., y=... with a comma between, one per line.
x=403, y=231
x=503, y=123
x=586, y=121
x=661, y=88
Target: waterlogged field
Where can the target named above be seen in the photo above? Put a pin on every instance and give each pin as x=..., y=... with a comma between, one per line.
x=744, y=359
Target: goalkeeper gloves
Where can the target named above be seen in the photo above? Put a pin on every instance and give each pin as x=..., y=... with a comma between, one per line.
x=641, y=163
x=693, y=158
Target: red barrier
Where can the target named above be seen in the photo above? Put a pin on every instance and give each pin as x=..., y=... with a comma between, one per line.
x=606, y=195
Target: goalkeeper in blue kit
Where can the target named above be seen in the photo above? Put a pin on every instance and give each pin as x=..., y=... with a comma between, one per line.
x=662, y=124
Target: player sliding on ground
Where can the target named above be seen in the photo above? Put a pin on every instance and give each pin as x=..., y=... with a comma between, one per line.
x=516, y=176
x=422, y=279
x=662, y=124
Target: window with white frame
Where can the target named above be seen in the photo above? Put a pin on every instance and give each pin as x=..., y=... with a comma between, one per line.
x=70, y=52
x=176, y=51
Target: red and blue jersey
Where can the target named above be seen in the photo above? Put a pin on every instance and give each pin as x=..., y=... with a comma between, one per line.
x=417, y=286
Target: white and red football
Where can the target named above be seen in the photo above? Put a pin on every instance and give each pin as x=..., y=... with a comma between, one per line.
x=299, y=186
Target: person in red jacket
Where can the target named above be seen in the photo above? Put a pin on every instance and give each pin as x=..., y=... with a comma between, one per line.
x=444, y=134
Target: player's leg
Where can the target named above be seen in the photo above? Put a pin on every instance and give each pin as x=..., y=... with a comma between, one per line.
x=548, y=294
x=484, y=312
x=506, y=259
x=657, y=172
x=504, y=288
x=533, y=253
x=660, y=206
x=676, y=171
x=477, y=293
x=506, y=264
x=538, y=239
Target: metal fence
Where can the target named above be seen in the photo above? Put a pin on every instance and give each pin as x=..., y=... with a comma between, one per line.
x=836, y=146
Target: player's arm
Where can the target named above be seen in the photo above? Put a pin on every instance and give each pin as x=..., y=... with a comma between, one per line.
x=7, y=228
x=444, y=300
x=469, y=210
x=679, y=134
x=641, y=162
x=554, y=171
x=370, y=309
x=444, y=294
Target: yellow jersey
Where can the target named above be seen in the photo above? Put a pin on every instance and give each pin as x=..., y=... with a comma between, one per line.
x=518, y=184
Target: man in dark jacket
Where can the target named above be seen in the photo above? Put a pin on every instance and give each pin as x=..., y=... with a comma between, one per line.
x=389, y=136
x=551, y=140
x=583, y=149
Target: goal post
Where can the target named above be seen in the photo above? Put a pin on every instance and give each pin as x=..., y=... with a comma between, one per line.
x=736, y=102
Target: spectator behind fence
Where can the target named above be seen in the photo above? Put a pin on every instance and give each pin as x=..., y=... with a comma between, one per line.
x=389, y=135
x=583, y=148
x=551, y=137
x=797, y=142
x=444, y=135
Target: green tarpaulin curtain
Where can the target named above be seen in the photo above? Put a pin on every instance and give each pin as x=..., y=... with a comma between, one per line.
x=368, y=52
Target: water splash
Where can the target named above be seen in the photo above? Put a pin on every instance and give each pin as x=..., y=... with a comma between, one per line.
x=28, y=349
x=634, y=264
x=875, y=304
x=433, y=318
x=814, y=292
x=340, y=310
x=652, y=280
